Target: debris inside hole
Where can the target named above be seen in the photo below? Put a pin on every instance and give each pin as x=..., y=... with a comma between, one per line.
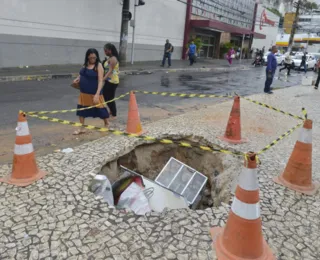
x=149, y=159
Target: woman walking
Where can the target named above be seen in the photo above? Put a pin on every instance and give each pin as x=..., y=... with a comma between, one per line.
x=91, y=84
x=230, y=56
x=111, y=77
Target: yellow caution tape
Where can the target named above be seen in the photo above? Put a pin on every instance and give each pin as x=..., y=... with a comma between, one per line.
x=289, y=132
x=76, y=109
x=142, y=137
x=304, y=112
x=273, y=108
x=191, y=95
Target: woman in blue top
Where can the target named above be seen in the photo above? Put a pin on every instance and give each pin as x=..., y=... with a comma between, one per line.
x=91, y=84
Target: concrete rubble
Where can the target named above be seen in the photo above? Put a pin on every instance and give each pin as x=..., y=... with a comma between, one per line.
x=58, y=218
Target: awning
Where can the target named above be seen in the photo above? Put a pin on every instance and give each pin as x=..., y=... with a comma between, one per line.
x=224, y=27
x=259, y=35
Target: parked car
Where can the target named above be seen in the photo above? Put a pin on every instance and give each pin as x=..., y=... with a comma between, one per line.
x=317, y=56
x=311, y=61
x=279, y=57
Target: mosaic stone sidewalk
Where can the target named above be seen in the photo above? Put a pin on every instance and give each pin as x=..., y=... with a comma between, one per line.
x=58, y=218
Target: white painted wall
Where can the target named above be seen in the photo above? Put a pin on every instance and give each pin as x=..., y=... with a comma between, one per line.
x=72, y=19
x=87, y=20
x=159, y=20
x=268, y=30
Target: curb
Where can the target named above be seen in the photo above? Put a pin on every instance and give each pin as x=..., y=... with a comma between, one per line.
x=125, y=72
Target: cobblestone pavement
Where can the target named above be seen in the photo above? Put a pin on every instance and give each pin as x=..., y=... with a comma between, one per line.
x=58, y=218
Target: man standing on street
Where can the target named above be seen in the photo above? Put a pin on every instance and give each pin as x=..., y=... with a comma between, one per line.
x=318, y=78
x=192, y=52
x=271, y=70
x=303, y=62
x=167, y=53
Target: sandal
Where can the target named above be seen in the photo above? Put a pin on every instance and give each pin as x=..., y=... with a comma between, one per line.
x=79, y=132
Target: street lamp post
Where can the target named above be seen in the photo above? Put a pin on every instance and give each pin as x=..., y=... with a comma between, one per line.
x=133, y=24
x=241, y=51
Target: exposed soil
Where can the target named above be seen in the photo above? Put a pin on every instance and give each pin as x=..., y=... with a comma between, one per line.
x=149, y=159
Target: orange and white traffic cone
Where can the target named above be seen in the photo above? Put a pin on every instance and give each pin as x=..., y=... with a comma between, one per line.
x=233, y=130
x=298, y=172
x=133, y=123
x=242, y=238
x=24, y=169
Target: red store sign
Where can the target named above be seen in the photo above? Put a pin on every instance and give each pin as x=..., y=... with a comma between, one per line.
x=264, y=19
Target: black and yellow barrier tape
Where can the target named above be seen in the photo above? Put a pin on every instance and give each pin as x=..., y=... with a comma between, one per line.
x=289, y=132
x=186, y=95
x=76, y=109
x=142, y=137
x=273, y=108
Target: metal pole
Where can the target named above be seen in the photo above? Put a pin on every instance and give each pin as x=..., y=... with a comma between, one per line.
x=309, y=31
x=124, y=32
x=294, y=27
x=241, y=47
x=133, y=32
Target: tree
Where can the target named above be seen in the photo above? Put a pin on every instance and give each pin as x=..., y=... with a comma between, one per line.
x=314, y=6
x=310, y=5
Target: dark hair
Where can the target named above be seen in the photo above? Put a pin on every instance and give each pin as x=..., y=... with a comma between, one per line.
x=86, y=59
x=113, y=49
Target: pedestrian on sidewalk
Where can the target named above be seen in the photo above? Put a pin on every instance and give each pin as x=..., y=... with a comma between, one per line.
x=303, y=62
x=111, y=77
x=238, y=53
x=318, y=78
x=168, y=48
x=91, y=83
x=287, y=64
x=191, y=52
x=270, y=70
x=230, y=56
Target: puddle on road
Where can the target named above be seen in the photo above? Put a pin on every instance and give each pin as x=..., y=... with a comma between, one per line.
x=149, y=159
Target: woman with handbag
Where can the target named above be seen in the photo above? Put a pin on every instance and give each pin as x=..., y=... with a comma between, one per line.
x=90, y=83
x=230, y=56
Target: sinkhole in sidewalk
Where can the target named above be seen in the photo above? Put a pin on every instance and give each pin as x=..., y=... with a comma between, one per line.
x=149, y=159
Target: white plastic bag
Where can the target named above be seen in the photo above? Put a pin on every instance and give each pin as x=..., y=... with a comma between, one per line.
x=101, y=186
x=134, y=198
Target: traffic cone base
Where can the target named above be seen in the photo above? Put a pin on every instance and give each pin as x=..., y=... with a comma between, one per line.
x=231, y=141
x=25, y=181
x=223, y=254
x=308, y=190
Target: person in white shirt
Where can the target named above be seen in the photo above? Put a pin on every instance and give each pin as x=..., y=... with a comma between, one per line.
x=287, y=63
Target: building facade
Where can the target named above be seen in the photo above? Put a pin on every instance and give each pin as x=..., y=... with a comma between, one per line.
x=267, y=24
x=37, y=32
x=307, y=34
x=220, y=21
x=284, y=6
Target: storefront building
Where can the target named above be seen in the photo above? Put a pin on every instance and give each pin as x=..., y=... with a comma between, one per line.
x=34, y=33
x=219, y=21
x=267, y=24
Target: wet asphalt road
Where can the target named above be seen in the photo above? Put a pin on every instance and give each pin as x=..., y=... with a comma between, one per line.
x=57, y=94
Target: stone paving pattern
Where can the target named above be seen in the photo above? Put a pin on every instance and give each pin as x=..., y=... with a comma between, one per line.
x=58, y=218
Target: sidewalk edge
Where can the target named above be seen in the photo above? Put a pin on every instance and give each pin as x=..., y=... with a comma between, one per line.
x=124, y=72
